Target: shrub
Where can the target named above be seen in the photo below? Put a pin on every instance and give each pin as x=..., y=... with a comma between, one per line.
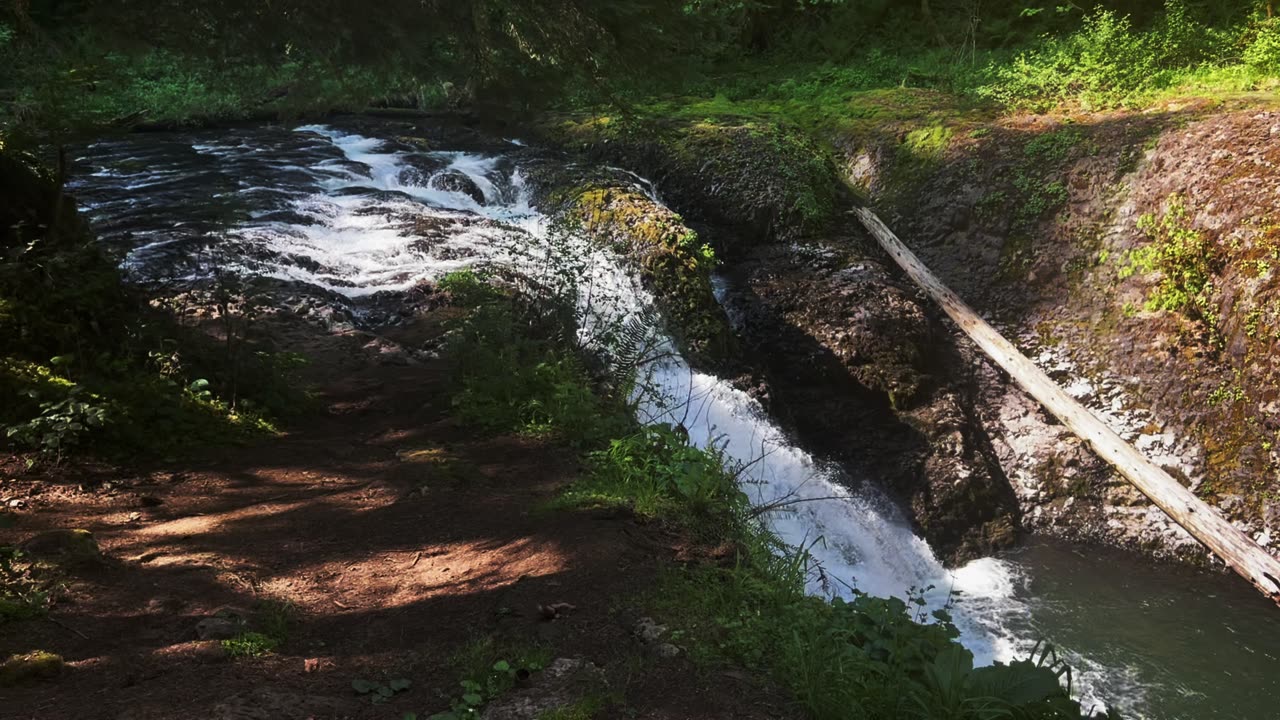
x=1263, y=53
x=656, y=467
x=467, y=288
x=520, y=373
x=22, y=594
x=1187, y=260
x=1106, y=62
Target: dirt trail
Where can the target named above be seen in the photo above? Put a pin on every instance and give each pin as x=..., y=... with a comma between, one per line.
x=396, y=535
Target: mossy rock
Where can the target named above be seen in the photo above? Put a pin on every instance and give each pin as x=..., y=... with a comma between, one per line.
x=72, y=548
x=757, y=181
x=30, y=668
x=672, y=261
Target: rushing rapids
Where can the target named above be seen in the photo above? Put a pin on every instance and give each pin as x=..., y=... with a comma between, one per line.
x=355, y=215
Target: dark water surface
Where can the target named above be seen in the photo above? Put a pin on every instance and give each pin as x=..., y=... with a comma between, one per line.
x=1192, y=645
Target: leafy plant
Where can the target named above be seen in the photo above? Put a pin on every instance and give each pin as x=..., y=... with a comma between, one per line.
x=500, y=677
x=62, y=424
x=250, y=644
x=22, y=594
x=1187, y=260
x=380, y=692
x=656, y=466
x=467, y=288
x=1263, y=53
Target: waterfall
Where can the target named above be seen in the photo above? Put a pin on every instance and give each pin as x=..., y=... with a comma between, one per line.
x=357, y=215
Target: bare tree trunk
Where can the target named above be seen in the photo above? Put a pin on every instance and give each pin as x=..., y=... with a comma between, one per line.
x=932, y=22
x=1236, y=549
x=60, y=184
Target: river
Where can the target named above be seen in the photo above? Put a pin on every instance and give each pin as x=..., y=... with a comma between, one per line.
x=355, y=213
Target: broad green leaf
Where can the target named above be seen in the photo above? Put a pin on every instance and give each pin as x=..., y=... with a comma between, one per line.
x=1019, y=683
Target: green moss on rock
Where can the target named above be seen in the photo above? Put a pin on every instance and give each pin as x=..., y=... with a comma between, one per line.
x=760, y=181
x=673, y=263
x=64, y=547
x=31, y=667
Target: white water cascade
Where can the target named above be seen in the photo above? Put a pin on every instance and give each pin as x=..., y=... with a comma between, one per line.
x=353, y=223
x=862, y=540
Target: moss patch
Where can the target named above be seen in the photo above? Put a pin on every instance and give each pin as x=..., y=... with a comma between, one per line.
x=29, y=668
x=759, y=180
x=674, y=264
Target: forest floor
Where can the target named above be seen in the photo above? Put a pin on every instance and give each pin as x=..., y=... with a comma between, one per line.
x=376, y=540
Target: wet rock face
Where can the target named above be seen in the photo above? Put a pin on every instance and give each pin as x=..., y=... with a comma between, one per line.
x=1062, y=284
x=419, y=169
x=855, y=363
x=860, y=369
x=454, y=181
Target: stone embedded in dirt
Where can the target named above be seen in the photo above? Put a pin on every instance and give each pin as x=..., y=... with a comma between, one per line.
x=649, y=631
x=224, y=624
x=564, y=682
x=555, y=610
x=204, y=652
x=29, y=668
x=69, y=547
x=666, y=650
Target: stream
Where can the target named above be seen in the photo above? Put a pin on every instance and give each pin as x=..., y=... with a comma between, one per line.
x=354, y=215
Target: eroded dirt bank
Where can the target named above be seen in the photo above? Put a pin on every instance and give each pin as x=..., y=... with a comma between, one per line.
x=1134, y=257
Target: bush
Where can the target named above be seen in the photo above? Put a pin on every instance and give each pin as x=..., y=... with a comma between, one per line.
x=520, y=372
x=23, y=594
x=1187, y=260
x=1107, y=62
x=655, y=468
x=1263, y=53
x=91, y=366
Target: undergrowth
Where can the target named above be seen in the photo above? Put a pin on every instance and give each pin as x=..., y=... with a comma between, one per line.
x=488, y=669
x=24, y=593
x=1187, y=260
x=862, y=656
x=88, y=366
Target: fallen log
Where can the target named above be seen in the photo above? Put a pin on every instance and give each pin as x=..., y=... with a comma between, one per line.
x=1228, y=542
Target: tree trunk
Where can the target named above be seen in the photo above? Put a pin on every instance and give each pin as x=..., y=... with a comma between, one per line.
x=1235, y=548
x=932, y=22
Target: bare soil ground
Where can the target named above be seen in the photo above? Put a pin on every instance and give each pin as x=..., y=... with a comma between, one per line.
x=397, y=536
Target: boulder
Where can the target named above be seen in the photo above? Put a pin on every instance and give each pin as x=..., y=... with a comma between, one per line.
x=454, y=181
x=64, y=547
x=29, y=668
